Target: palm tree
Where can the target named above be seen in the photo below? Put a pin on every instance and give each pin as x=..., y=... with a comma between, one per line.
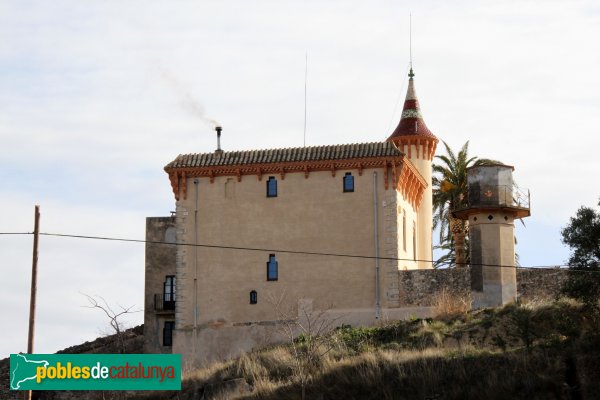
x=450, y=192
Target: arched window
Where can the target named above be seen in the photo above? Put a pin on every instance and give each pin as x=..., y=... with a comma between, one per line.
x=272, y=268
x=253, y=297
x=348, y=182
x=272, y=187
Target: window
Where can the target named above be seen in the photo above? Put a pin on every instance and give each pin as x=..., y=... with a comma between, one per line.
x=169, y=288
x=272, y=187
x=168, y=333
x=348, y=182
x=414, y=241
x=169, y=293
x=272, y=268
x=253, y=297
x=404, y=231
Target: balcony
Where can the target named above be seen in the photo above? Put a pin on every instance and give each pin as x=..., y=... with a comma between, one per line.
x=488, y=197
x=164, y=303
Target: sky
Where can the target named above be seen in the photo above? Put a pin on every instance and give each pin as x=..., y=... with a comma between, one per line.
x=97, y=97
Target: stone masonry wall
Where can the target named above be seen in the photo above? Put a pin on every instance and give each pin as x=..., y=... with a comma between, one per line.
x=419, y=287
x=540, y=284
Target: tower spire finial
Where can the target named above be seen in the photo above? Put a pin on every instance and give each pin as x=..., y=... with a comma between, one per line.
x=411, y=73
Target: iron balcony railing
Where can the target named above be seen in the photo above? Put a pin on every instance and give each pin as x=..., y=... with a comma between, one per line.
x=493, y=196
x=164, y=302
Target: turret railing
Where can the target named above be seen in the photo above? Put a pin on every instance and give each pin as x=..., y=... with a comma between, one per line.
x=491, y=196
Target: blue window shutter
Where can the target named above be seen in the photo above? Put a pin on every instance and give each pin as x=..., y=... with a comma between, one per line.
x=272, y=187
x=348, y=182
x=272, y=268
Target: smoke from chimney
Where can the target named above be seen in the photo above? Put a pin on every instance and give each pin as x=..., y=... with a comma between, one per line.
x=187, y=101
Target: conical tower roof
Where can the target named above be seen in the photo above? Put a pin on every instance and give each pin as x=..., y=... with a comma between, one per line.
x=411, y=122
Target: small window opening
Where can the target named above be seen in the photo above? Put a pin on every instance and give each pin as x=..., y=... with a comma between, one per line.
x=272, y=268
x=253, y=297
x=404, y=231
x=168, y=333
x=348, y=182
x=272, y=187
x=414, y=241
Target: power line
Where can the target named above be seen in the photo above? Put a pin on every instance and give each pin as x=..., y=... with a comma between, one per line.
x=272, y=250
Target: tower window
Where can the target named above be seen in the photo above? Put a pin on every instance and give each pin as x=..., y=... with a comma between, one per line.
x=168, y=333
x=404, y=231
x=253, y=297
x=272, y=268
x=414, y=241
x=272, y=187
x=348, y=182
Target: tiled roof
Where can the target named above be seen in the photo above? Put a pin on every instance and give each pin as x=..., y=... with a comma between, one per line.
x=296, y=154
x=411, y=122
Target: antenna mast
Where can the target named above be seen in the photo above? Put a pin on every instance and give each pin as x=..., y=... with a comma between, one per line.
x=305, y=79
x=410, y=38
x=411, y=73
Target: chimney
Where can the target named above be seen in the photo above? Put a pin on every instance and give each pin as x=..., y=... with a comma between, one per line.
x=218, y=129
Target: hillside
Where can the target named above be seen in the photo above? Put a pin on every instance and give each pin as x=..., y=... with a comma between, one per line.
x=133, y=343
x=545, y=351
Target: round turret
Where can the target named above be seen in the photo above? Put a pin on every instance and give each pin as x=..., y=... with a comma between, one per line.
x=418, y=143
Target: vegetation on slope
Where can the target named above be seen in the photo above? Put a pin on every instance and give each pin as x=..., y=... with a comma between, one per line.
x=533, y=351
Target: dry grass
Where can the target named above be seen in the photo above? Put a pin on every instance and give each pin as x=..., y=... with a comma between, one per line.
x=513, y=352
x=447, y=304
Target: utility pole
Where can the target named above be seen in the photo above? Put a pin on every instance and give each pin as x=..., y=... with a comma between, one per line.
x=36, y=236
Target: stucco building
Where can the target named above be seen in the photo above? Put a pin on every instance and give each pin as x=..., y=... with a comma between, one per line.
x=317, y=228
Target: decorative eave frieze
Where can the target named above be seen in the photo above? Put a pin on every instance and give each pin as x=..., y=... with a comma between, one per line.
x=178, y=176
x=411, y=184
x=425, y=145
x=404, y=176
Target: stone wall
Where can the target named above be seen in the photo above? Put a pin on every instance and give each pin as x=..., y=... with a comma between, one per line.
x=540, y=284
x=420, y=287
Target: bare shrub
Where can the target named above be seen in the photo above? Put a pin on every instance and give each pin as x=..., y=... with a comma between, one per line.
x=114, y=317
x=447, y=304
x=306, y=332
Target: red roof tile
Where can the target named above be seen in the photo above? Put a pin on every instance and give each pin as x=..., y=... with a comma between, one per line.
x=411, y=122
